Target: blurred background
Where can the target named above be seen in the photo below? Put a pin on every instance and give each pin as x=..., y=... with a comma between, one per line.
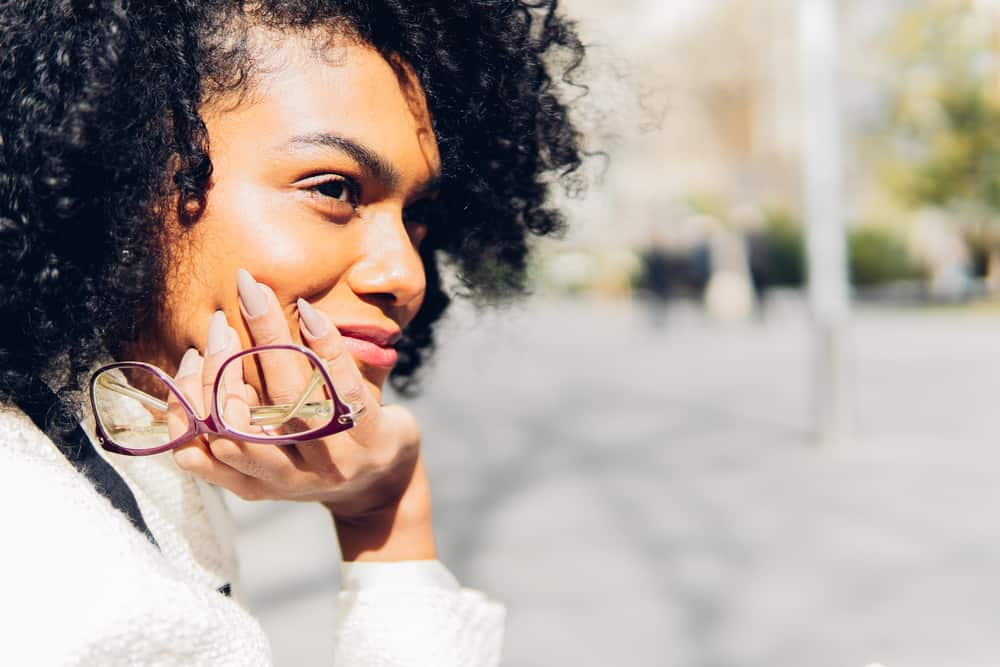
x=747, y=416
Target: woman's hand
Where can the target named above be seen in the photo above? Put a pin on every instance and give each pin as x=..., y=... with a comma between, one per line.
x=370, y=477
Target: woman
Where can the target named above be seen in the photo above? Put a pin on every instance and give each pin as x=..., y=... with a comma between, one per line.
x=180, y=180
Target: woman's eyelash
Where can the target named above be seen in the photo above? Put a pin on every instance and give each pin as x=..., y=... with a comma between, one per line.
x=348, y=191
x=340, y=188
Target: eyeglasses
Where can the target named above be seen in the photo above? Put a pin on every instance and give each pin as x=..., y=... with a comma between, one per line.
x=140, y=410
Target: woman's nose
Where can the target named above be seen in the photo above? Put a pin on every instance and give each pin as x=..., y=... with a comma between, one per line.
x=390, y=268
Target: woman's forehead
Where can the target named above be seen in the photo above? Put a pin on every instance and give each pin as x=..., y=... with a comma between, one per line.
x=353, y=94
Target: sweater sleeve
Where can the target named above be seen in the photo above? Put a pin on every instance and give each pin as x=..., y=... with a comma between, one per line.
x=82, y=587
x=414, y=614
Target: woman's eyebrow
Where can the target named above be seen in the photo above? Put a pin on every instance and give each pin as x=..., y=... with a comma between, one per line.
x=373, y=163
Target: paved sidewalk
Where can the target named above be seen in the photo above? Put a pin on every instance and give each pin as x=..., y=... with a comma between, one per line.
x=648, y=493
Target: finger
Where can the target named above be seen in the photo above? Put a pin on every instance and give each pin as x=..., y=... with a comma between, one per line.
x=232, y=397
x=276, y=465
x=220, y=347
x=195, y=458
x=187, y=381
x=251, y=396
x=324, y=339
x=268, y=463
x=223, y=343
x=284, y=374
x=264, y=462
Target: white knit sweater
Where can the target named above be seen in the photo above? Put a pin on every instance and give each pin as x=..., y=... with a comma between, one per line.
x=81, y=586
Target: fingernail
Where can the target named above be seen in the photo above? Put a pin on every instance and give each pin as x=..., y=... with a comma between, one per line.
x=251, y=296
x=218, y=333
x=316, y=323
x=189, y=363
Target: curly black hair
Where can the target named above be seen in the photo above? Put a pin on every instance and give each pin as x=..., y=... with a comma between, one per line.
x=100, y=135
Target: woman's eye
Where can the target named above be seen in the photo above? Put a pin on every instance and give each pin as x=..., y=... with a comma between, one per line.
x=340, y=189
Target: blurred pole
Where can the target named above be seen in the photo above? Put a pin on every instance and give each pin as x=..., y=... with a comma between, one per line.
x=826, y=246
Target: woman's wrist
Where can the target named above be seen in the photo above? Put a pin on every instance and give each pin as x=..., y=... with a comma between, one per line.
x=401, y=531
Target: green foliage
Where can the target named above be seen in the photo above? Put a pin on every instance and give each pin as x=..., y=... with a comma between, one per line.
x=878, y=256
x=961, y=159
x=707, y=203
x=785, y=249
x=945, y=125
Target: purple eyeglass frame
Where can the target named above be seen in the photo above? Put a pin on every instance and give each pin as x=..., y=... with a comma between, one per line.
x=342, y=419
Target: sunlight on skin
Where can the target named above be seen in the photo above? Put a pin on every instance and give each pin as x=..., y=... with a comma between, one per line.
x=262, y=215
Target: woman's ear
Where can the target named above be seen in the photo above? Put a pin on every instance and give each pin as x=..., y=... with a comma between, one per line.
x=190, y=207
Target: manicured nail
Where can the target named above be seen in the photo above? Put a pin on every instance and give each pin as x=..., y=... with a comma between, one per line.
x=251, y=295
x=189, y=363
x=218, y=333
x=316, y=323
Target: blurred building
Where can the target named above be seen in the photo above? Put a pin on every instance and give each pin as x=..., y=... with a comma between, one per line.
x=701, y=99
x=695, y=104
x=698, y=102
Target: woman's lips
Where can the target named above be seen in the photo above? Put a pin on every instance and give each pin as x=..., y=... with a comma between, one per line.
x=371, y=346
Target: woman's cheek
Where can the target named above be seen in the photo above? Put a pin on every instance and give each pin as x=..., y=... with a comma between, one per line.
x=294, y=258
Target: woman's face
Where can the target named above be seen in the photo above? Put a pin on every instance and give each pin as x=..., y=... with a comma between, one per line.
x=314, y=175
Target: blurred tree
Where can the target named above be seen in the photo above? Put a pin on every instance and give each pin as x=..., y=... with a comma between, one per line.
x=785, y=248
x=944, y=128
x=878, y=256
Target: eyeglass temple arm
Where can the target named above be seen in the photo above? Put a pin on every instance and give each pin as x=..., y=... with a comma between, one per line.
x=108, y=382
x=262, y=414
x=282, y=412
